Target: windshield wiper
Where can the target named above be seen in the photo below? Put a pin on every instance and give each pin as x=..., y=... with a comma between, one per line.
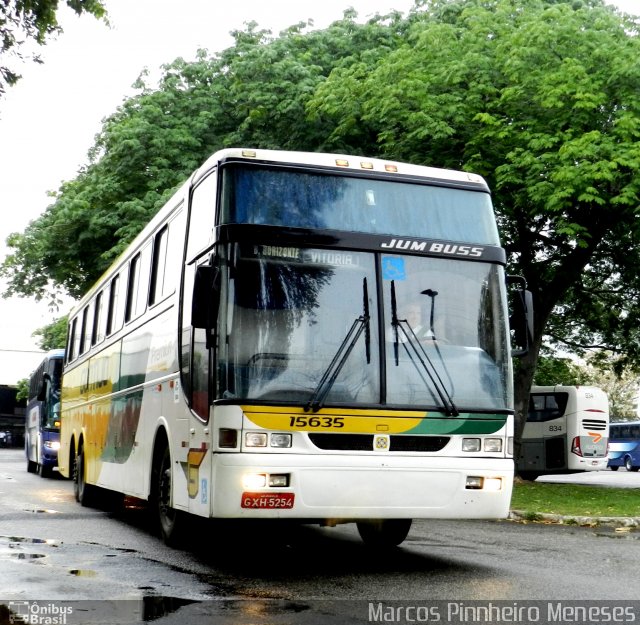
x=417, y=350
x=359, y=325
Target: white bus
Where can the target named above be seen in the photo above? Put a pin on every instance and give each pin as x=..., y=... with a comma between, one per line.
x=567, y=431
x=251, y=356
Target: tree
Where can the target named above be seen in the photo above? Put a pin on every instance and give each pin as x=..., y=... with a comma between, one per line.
x=23, y=390
x=543, y=99
x=554, y=370
x=254, y=93
x=54, y=335
x=36, y=20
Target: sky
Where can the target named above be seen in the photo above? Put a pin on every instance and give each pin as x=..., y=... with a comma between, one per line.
x=48, y=121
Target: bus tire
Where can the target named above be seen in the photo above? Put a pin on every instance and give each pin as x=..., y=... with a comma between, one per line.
x=32, y=467
x=44, y=471
x=170, y=521
x=628, y=464
x=614, y=467
x=84, y=493
x=384, y=532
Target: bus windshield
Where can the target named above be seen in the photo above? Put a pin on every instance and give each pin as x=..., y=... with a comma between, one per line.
x=295, y=199
x=276, y=342
x=51, y=413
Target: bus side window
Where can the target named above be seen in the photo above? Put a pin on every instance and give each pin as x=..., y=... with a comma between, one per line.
x=196, y=358
x=115, y=314
x=157, y=290
x=71, y=342
x=82, y=338
x=201, y=216
x=194, y=354
x=137, y=290
x=97, y=329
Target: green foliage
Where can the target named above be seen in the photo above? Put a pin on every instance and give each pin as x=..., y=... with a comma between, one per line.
x=553, y=370
x=23, y=390
x=54, y=335
x=602, y=370
x=542, y=97
x=36, y=20
x=254, y=93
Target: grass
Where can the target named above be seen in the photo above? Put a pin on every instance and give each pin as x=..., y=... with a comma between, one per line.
x=535, y=498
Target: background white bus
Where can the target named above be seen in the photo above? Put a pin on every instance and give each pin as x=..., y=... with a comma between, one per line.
x=250, y=355
x=567, y=430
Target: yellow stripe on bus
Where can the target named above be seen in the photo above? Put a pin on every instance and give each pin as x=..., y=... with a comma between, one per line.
x=347, y=421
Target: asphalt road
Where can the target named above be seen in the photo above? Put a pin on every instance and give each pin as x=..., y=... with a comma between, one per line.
x=113, y=569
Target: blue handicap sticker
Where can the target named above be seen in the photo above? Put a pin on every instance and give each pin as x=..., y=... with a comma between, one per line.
x=393, y=268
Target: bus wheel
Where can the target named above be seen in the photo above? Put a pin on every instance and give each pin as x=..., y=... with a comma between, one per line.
x=384, y=532
x=83, y=492
x=170, y=520
x=32, y=467
x=628, y=464
x=44, y=471
x=614, y=467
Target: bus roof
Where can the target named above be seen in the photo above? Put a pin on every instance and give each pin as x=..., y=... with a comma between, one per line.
x=348, y=162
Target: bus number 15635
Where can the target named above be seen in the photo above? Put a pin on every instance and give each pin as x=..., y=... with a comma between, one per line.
x=316, y=422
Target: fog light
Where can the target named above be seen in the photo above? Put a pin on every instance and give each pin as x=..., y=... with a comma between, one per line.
x=254, y=480
x=227, y=438
x=471, y=444
x=281, y=440
x=279, y=480
x=474, y=483
x=493, y=484
x=493, y=444
x=255, y=439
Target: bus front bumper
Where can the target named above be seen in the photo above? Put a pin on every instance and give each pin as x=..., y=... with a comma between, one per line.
x=363, y=487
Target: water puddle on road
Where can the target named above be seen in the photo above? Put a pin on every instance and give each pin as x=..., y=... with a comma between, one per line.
x=11, y=547
x=155, y=607
x=11, y=540
x=21, y=556
x=626, y=533
x=83, y=573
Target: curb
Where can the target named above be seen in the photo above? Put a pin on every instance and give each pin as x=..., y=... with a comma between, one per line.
x=539, y=517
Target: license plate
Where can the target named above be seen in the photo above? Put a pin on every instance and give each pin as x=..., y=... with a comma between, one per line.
x=268, y=500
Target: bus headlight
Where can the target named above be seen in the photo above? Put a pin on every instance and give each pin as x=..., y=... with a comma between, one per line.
x=474, y=482
x=280, y=440
x=493, y=444
x=471, y=444
x=252, y=481
x=493, y=483
x=53, y=445
x=279, y=480
x=255, y=439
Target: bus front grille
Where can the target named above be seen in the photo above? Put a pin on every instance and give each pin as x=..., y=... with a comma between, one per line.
x=366, y=442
